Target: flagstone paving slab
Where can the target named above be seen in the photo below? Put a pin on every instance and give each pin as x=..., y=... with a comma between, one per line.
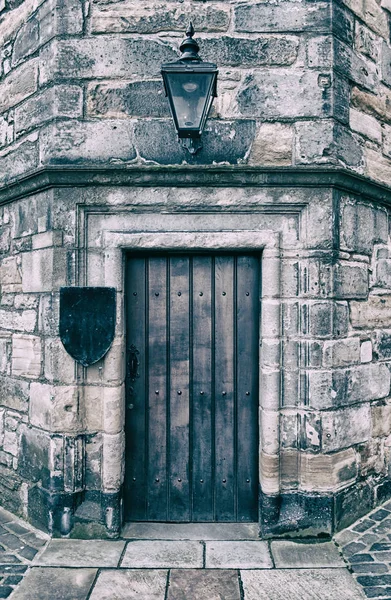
x=81, y=553
x=238, y=555
x=302, y=555
x=148, y=554
x=55, y=584
x=191, y=531
x=125, y=584
x=203, y=585
x=306, y=584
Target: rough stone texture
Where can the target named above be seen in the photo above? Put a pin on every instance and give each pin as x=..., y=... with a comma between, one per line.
x=302, y=585
x=64, y=583
x=129, y=584
x=237, y=555
x=163, y=555
x=293, y=555
x=80, y=553
x=301, y=85
x=203, y=584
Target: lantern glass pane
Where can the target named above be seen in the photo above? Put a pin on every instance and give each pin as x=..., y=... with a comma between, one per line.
x=190, y=95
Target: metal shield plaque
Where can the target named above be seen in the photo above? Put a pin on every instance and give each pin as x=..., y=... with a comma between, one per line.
x=87, y=322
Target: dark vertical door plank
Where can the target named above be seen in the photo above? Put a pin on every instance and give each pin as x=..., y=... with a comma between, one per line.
x=179, y=485
x=202, y=377
x=136, y=443
x=224, y=388
x=247, y=386
x=157, y=389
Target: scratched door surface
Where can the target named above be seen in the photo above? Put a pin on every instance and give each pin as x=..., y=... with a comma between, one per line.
x=192, y=388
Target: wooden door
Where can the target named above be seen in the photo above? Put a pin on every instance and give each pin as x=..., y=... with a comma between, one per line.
x=192, y=388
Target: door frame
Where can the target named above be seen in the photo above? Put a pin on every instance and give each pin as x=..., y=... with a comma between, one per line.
x=113, y=247
x=267, y=244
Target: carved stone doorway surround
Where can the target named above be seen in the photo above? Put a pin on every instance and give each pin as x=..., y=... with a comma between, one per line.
x=109, y=251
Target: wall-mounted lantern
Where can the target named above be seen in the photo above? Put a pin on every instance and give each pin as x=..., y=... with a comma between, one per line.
x=191, y=86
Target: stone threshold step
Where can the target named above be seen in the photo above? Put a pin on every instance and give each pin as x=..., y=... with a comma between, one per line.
x=190, y=531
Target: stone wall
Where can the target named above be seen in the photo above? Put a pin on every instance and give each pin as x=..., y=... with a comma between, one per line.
x=62, y=429
x=80, y=82
x=363, y=55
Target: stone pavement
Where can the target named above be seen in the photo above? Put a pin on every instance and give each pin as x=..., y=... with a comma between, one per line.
x=197, y=561
x=188, y=562
x=19, y=543
x=366, y=545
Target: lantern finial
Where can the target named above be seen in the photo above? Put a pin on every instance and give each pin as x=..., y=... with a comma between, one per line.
x=189, y=47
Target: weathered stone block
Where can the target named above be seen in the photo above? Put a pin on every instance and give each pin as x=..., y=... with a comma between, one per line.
x=361, y=226
x=386, y=63
x=290, y=16
x=273, y=145
x=284, y=93
x=350, y=280
x=11, y=443
x=346, y=427
x=366, y=42
x=383, y=344
x=244, y=52
x=314, y=142
x=357, y=68
x=366, y=125
x=327, y=472
x=34, y=215
x=376, y=312
x=223, y=141
x=26, y=302
x=342, y=23
x=93, y=466
x=58, y=101
x=54, y=408
x=93, y=57
x=59, y=365
x=341, y=353
x=5, y=353
x=18, y=321
x=10, y=270
x=26, y=356
x=289, y=469
x=112, y=469
x=59, y=17
x=77, y=141
x=377, y=105
x=152, y=17
x=26, y=42
x=269, y=473
x=371, y=458
x=116, y=100
x=19, y=160
x=378, y=166
x=48, y=315
x=360, y=384
x=18, y=85
x=319, y=52
x=14, y=393
x=33, y=463
x=44, y=270
x=47, y=239
x=6, y=130
x=366, y=352
x=310, y=431
x=111, y=369
x=383, y=273
x=381, y=419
